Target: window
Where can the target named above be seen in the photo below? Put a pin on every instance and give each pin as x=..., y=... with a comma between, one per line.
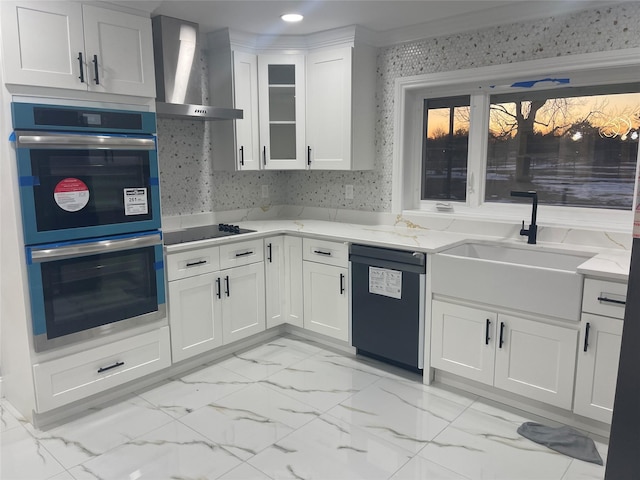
x=445, y=148
x=575, y=147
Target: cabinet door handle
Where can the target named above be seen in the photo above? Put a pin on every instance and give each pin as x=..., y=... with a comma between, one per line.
x=194, y=264
x=218, y=291
x=95, y=68
x=264, y=155
x=320, y=252
x=115, y=365
x=611, y=300
x=341, y=284
x=269, y=257
x=308, y=155
x=586, y=336
x=242, y=156
x=501, y=334
x=81, y=77
x=244, y=254
x=486, y=332
x=226, y=285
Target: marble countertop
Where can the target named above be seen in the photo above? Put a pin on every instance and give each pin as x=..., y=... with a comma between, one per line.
x=605, y=263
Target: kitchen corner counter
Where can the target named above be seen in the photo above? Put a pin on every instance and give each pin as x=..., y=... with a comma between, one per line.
x=611, y=265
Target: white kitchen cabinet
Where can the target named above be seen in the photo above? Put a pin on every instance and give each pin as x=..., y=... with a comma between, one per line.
x=597, y=372
x=462, y=341
x=233, y=82
x=283, y=275
x=326, y=292
x=195, y=309
x=341, y=108
x=281, y=105
x=74, y=377
x=195, y=315
x=522, y=356
x=603, y=306
x=243, y=301
x=80, y=47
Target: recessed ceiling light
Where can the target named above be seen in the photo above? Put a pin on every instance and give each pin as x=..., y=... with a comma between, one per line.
x=291, y=17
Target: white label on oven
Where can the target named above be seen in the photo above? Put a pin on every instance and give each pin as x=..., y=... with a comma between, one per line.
x=383, y=281
x=135, y=201
x=71, y=194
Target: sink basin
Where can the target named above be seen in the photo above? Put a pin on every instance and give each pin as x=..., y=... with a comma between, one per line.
x=528, y=279
x=531, y=257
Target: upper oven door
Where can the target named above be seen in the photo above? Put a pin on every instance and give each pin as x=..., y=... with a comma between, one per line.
x=75, y=186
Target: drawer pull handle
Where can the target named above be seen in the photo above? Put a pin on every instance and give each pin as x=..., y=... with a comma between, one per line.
x=586, y=336
x=486, y=332
x=244, y=254
x=612, y=300
x=501, y=334
x=115, y=365
x=195, y=264
x=320, y=252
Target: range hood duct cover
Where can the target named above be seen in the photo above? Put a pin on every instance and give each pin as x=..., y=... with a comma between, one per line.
x=178, y=73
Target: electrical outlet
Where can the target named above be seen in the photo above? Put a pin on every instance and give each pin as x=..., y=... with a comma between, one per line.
x=265, y=191
x=348, y=192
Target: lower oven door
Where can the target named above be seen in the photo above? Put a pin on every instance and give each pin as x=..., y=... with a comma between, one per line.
x=87, y=289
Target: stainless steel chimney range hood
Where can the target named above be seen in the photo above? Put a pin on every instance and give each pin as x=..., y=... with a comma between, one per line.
x=178, y=73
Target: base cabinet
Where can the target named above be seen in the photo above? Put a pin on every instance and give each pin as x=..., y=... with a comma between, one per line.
x=325, y=300
x=195, y=315
x=597, y=372
x=283, y=275
x=522, y=356
x=74, y=377
x=243, y=301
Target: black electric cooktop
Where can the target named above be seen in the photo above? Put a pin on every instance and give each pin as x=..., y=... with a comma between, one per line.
x=203, y=233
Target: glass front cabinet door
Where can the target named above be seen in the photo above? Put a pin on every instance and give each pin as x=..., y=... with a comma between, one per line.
x=281, y=97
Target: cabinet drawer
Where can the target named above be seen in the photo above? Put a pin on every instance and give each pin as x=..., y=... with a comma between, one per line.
x=327, y=252
x=193, y=262
x=604, y=298
x=82, y=374
x=241, y=253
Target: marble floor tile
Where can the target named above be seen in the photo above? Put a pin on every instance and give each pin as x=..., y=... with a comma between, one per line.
x=265, y=360
x=250, y=420
x=89, y=436
x=482, y=443
x=579, y=470
x=406, y=415
x=419, y=468
x=171, y=451
x=320, y=384
x=328, y=448
x=244, y=472
x=23, y=457
x=182, y=396
x=8, y=418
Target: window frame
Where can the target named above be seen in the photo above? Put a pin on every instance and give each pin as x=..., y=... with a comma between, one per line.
x=600, y=68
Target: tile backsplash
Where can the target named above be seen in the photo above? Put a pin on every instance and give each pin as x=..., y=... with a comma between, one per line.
x=190, y=186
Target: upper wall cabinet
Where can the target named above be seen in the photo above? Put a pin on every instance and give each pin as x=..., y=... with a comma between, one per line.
x=341, y=108
x=313, y=109
x=79, y=47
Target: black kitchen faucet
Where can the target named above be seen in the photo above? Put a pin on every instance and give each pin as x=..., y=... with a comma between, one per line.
x=532, y=232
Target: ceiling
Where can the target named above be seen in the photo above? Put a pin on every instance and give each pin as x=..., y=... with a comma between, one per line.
x=393, y=20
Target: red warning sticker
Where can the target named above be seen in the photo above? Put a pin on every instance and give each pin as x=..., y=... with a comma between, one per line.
x=71, y=194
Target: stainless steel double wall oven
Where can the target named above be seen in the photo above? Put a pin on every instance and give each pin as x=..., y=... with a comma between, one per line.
x=90, y=201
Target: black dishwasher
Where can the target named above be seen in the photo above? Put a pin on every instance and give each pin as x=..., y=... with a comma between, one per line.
x=388, y=292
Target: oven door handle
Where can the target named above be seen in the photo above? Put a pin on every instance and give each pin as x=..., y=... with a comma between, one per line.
x=36, y=140
x=47, y=254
